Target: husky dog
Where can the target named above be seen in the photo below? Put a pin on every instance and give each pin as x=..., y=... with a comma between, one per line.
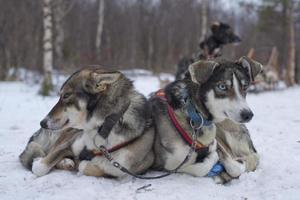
x=109, y=111
x=222, y=34
x=210, y=47
x=217, y=89
x=235, y=147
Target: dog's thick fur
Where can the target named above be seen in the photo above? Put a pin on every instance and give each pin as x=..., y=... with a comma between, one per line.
x=51, y=145
x=87, y=99
x=235, y=149
x=170, y=148
x=217, y=88
x=210, y=47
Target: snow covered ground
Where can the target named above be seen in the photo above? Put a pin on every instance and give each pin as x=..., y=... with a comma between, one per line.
x=275, y=131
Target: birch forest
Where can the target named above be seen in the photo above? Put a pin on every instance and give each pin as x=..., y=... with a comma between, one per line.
x=65, y=35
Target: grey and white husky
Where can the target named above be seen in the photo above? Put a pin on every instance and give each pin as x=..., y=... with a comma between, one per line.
x=217, y=89
x=89, y=102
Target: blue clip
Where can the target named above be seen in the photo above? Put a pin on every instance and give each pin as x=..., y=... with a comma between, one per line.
x=196, y=118
x=216, y=170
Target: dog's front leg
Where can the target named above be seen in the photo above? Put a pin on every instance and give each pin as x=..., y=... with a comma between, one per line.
x=89, y=169
x=33, y=150
x=41, y=166
x=202, y=169
x=234, y=167
x=66, y=164
x=251, y=162
x=60, y=150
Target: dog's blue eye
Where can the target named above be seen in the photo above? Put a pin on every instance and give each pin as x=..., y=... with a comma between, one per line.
x=222, y=86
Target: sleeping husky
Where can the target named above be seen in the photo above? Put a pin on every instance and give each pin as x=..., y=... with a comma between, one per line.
x=96, y=107
x=217, y=90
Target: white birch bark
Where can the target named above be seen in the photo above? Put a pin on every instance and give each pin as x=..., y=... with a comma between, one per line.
x=273, y=60
x=59, y=34
x=100, y=26
x=47, y=48
x=204, y=8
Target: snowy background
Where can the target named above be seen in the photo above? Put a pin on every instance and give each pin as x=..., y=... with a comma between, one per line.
x=275, y=131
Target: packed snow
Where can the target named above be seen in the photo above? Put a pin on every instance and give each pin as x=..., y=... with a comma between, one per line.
x=275, y=132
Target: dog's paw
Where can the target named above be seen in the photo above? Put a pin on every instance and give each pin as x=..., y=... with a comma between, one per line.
x=89, y=169
x=213, y=157
x=82, y=167
x=66, y=164
x=218, y=180
x=222, y=178
x=234, y=167
x=39, y=168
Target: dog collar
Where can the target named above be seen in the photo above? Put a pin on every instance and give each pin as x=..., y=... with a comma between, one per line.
x=196, y=119
x=199, y=146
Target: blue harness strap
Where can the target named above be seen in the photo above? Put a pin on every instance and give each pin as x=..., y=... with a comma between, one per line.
x=197, y=119
x=216, y=170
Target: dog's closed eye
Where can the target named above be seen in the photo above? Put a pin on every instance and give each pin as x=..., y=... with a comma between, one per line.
x=66, y=95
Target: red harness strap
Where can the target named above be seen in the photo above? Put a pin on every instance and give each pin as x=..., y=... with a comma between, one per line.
x=115, y=148
x=162, y=95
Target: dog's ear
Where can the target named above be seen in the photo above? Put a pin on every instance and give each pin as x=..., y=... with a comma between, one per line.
x=201, y=71
x=214, y=27
x=253, y=67
x=100, y=80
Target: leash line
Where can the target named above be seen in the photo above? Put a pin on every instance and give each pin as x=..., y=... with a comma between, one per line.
x=116, y=164
x=193, y=143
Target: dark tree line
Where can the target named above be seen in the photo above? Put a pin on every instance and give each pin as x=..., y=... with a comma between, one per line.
x=138, y=33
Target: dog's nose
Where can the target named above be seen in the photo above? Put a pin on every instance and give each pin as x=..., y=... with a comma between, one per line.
x=43, y=123
x=246, y=115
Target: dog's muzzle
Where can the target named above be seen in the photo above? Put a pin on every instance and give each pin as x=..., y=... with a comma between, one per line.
x=53, y=125
x=246, y=115
x=44, y=124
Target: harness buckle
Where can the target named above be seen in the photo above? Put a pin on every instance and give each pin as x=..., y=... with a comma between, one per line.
x=105, y=152
x=193, y=125
x=117, y=165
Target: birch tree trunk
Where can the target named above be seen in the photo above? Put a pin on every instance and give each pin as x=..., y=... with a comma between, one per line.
x=291, y=57
x=204, y=8
x=4, y=60
x=150, y=49
x=100, y=26
x=59, y=34
x=61, y=8
x=273, y=60
x=47, y=85
x=250, y=53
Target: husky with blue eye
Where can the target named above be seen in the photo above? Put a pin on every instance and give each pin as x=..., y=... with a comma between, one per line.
x=217, y=90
